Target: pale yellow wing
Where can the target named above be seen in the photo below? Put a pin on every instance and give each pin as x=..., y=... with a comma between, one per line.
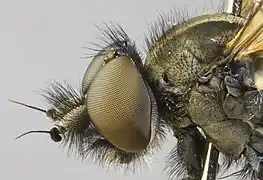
x=248, y=43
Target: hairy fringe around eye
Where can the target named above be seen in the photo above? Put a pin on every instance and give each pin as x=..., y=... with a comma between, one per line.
x=81, y=137
x=102, y=152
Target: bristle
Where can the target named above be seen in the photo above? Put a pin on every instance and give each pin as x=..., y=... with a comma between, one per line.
x=63, y=98
x=175, y=165
x=114, y=36
x=227, y=162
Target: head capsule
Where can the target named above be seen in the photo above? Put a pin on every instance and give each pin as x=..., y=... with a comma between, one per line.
x=114, y=117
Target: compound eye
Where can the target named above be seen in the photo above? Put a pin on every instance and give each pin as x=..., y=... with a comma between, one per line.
x=55, y=135
x=119, y=105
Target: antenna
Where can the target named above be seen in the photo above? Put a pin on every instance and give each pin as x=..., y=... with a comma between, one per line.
x=29, y=132
x=54, y=134
x=28, y=106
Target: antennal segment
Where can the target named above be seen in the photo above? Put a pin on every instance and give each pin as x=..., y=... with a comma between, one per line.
x=29, y=132
x=54, y=134
x=28, y=106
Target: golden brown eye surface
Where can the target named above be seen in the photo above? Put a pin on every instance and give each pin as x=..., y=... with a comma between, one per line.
x=119, y=105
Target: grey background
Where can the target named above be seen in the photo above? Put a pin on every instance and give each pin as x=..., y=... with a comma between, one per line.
x=41, y=41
